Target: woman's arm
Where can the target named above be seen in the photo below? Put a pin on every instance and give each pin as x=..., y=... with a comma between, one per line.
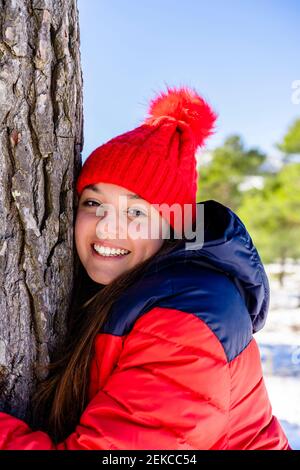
x=169, y=390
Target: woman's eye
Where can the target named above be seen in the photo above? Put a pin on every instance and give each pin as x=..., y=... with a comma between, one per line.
x=137, y=212
x=86, y=203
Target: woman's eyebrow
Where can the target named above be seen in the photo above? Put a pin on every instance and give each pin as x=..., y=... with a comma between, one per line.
x=97, y=190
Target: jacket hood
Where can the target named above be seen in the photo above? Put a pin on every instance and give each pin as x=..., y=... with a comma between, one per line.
x=178, y=278
x=227, y=247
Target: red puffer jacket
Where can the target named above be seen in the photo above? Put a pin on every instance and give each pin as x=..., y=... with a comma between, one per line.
x=176, y=365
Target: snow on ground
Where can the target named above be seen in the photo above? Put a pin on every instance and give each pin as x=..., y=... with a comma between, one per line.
x=279, y=343
x=284, y=393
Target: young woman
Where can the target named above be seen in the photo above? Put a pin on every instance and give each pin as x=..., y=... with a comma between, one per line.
x=160, y=351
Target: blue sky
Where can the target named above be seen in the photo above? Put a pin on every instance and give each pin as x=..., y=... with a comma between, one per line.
x=241, y=55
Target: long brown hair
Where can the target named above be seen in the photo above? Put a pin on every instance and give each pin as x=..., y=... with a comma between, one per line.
x=61, y=398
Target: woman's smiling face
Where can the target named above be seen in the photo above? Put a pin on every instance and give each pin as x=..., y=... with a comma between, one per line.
x=111, y=218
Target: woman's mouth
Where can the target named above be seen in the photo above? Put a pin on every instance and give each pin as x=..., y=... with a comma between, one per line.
x=105, y=253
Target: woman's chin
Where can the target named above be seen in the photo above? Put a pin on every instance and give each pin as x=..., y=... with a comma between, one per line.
x=104, y=280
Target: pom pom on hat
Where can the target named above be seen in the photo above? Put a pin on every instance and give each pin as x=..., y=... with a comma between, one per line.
x=184, y=104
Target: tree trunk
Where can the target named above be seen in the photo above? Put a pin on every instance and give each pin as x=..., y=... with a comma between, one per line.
x=40, y=157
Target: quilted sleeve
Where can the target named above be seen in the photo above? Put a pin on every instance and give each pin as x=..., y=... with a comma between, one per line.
x=169, y=390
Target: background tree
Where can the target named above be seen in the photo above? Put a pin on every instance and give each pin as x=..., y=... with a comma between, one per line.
x=290, y=144
x=273, y=217
x=40, y=144
x=273, y=213
x=230, y=164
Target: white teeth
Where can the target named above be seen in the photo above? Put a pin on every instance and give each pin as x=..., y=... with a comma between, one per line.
x=105, y=251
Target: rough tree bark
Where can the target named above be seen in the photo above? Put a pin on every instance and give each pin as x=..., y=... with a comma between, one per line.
x=40, y=157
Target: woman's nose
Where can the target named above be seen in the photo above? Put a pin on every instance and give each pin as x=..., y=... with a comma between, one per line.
x=110, y=225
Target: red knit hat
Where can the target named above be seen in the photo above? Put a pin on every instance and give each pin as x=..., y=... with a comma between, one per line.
x=157, y=159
